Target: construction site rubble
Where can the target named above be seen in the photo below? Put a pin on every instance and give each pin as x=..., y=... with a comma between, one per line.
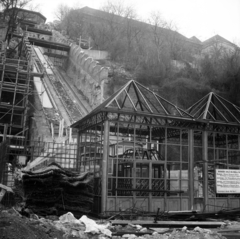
x=53, y=190
x=15, y=226
x=6, y=195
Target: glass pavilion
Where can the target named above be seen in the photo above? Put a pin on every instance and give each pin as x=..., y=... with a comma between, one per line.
x=146, y=153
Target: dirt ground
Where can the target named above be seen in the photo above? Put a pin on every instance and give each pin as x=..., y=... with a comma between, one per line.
x=15, y=226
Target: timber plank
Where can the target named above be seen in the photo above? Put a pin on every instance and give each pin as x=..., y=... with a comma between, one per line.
x=176, y=224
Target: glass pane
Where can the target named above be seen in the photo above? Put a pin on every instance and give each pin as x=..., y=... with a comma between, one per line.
x=142, y=170
x=211, y=189
x=198, y=180
x=197, y=138
x=184, y=137
x=124, y=186
x=184, y=187
x=221, y=157
x=198, y=188
x=234, y=157
x=232, y=141
x=173, y=153
x=198, y=154
x=220, y=140
x=184, y=171
x=174, y=185
x=173, y=136
x=174, y=171
x=124, y=169
x=158, y=185
x=211, y=156
x=210, y=139
x=158, y=171
x=161, y=151
x=185, y=155
x=142, y=185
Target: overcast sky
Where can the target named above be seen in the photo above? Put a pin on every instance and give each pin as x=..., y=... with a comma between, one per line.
x=200, y=18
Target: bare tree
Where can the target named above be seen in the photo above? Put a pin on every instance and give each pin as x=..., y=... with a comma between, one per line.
x=61, y=12
x=11, y=10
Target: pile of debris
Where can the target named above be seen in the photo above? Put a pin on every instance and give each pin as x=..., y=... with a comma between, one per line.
x=53, y=190
x=14, y=226
x=6, y=196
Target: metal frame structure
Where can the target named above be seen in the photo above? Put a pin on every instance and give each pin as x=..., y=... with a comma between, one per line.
x=16, y=153
x=15, y=89
x=146, y=153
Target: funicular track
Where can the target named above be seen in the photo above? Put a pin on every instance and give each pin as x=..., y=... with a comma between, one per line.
x=65, y=95
x=72, y=90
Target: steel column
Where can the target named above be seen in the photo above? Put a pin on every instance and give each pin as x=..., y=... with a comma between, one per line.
x=191, y=169
x=104, y=166
x=205, y=167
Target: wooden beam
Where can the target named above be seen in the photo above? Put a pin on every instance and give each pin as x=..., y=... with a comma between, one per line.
x=176, y=224
x=49, y=44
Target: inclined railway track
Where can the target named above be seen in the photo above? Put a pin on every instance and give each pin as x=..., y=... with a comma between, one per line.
x=61, y=88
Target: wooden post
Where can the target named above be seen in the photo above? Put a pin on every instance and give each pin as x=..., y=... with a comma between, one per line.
x=104, y=166
x=191, y=170
x=205, y=168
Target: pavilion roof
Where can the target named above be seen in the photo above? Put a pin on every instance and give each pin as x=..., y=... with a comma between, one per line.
x=136, y=98
x=215, y=108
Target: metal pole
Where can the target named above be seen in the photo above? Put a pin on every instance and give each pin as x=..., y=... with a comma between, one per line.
x=78, y=156
x=104, y=166
x=205, y=168
x=191, y=170
x=5, y=132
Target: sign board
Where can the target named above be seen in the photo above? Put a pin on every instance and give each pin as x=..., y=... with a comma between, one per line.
x=228, y=181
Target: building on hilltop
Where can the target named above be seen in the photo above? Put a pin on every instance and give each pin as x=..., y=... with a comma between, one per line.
x=27, y=15
x=218, y=43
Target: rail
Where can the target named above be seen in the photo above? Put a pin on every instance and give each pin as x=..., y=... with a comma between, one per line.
x=52, y=78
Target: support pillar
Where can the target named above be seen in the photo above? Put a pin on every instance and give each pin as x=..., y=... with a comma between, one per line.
x=205, y=168
x=191, y=170
x=78, y=162
x=5, y=132
x=104, y=166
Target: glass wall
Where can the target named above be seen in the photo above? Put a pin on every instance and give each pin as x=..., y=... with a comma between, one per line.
x=89, y=159
x=223, y=153
x=149, y=163
x=198, y=164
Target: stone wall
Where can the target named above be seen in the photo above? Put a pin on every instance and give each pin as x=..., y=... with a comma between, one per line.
x=88, y=77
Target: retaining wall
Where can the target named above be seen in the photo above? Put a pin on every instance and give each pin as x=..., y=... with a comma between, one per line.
x=88, y=77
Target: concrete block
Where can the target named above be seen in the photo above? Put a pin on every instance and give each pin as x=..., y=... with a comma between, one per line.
x=80, y=56
x=96, y=70
x=103, y=74
x=87, y=62
x=91, y=66
x=83, y=59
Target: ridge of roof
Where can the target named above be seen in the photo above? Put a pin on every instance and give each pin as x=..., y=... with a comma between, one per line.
x=217, y=38
x=215, y=108
x=29, y=11
x=103, y=14
x=134, y=97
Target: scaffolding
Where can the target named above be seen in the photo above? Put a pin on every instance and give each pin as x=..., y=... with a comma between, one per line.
x=15, y=89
